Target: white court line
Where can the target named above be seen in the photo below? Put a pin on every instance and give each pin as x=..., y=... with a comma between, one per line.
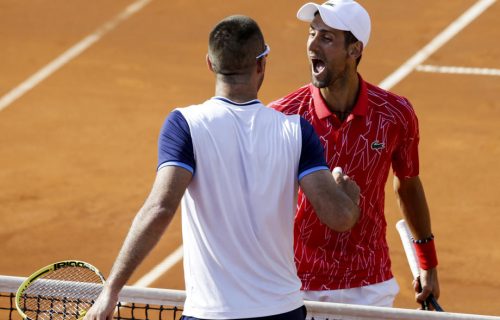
x=452, y=30
x=160, y=269
x=458, y=70
x=70, y=54
x=389, y=82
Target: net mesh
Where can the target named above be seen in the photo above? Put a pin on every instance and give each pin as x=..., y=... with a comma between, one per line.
x=163, y=304
x=124, y=310
x=62, y=309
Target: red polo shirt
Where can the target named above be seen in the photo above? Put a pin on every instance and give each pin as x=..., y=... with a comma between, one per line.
x=380, y=132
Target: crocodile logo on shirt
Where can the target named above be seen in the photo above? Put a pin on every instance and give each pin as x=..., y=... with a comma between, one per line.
x=377, y=145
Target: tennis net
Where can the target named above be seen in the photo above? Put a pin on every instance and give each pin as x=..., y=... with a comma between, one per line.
x=164, y=304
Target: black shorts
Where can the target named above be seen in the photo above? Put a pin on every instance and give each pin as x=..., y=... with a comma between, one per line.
x=297, y=314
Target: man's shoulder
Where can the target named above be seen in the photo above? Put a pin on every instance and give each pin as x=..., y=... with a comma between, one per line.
x=379, y=95
x=286, y=119
x=385, y=99
x=212, y=111
x=200, y=110
x=192, y=107
x=291, y=103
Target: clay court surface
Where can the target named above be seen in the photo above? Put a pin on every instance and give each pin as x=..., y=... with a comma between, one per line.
x=78, y=150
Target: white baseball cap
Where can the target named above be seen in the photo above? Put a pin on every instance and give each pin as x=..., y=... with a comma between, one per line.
x=346, y=15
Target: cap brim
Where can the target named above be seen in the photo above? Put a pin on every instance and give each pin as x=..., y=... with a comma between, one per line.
x=329, y=17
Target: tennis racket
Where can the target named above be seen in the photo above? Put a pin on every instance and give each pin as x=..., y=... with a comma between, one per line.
x=62, y=290
x=407, y=240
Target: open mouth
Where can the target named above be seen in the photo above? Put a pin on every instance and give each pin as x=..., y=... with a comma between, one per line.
x=318, y=65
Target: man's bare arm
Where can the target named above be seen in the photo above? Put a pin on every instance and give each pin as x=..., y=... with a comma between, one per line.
x=335, y=203
x=147, y=228
x=411, y=199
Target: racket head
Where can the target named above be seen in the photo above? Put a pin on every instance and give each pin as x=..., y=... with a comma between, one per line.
x=61, y=290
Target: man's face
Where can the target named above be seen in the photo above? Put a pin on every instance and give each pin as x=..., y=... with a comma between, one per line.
x=327, y=53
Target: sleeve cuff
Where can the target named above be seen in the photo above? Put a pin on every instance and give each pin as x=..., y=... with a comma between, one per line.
x=311, y=170
x=175, y=164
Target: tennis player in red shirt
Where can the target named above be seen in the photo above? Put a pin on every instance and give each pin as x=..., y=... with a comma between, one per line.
x=365, y=130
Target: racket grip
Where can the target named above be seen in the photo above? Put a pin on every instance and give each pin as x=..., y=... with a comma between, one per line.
x=432, y=300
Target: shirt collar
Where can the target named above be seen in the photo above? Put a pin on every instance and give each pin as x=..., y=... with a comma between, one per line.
x=226, y=100
x=360, y=108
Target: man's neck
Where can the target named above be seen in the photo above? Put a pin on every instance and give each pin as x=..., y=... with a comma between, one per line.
x=341, y=96
x=237, y=92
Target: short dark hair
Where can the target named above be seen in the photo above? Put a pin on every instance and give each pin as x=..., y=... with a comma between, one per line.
x=233, y=45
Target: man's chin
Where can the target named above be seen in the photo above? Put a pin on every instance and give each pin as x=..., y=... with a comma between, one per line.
x=319, y=83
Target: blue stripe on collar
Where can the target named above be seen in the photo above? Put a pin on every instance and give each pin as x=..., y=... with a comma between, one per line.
x=248, y=103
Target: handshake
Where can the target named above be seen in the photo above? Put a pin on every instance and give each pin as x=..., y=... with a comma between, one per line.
x=350, y=188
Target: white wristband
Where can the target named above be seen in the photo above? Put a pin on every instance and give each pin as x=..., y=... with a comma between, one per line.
x=337, y=170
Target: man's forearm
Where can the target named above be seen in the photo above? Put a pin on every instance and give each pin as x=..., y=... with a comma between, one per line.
x=149, y=223
x=411, y=198
x=145, y=232
x=332, y=205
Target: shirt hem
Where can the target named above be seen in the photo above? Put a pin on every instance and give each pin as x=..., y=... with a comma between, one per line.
x=251, y=313
x=326, y=283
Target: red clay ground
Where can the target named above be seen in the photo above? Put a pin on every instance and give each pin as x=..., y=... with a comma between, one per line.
x=78, y=152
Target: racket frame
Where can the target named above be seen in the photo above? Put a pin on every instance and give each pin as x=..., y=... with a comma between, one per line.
x=50, y=268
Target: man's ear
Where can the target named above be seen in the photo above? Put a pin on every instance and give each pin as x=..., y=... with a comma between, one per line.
x=355, y=49
x=209, y=64
x=261, y=65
